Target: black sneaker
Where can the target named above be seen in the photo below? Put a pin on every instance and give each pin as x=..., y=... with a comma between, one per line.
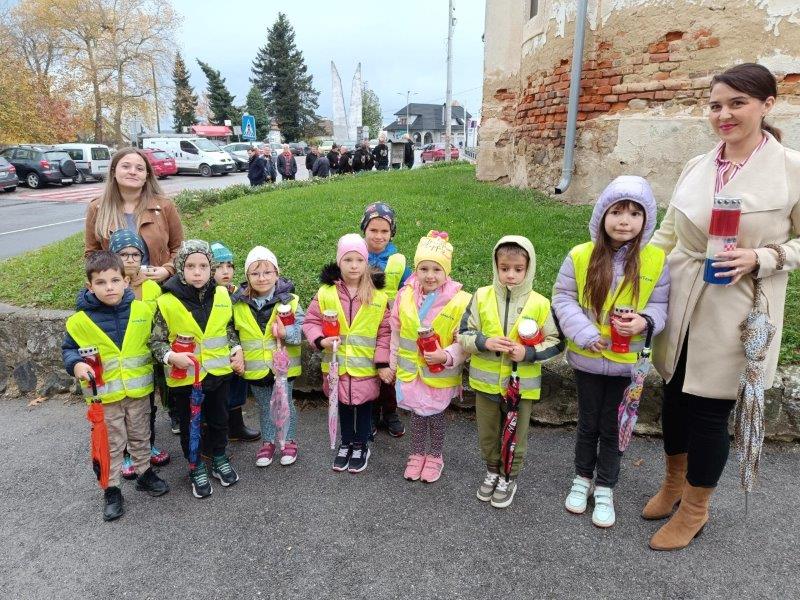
x=342, y=459
x=221, y=469
x=201, y=484
x=394, y=425
x=359, y=458
x=113, y=508
x=174, y=425
x=151, y=483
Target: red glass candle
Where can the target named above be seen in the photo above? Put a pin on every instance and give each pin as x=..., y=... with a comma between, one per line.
x=330, y=323
x=91, y=356
x=620, y=343
x=428, y=341
x=285, y=314
x=529, y=332
x=181, y=343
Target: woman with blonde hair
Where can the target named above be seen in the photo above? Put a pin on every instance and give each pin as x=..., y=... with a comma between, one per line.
x=133, y=200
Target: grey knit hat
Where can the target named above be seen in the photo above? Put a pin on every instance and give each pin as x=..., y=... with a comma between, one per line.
x=193, y=247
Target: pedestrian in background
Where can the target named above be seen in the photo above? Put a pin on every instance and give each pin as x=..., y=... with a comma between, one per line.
x=345, y=160
x=362, y=158
x=408, y=151
x=380, y=153
x=256, y=167
x=269, y=165
x=312, y=157
x=333, y=159
x=287, y=166
x=321, y=167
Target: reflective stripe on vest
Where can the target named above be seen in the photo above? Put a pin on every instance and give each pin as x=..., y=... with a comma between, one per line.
x=410, y=362
x=356, y=354
x=651, y=263
x=127, y=372
x=258, y=345
x=211, y=346
x=395, y=267
x=489, y=373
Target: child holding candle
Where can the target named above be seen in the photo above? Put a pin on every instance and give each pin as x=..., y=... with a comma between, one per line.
x=425, y=353
x=266, y=313
x=352, y=292
x=609, y=291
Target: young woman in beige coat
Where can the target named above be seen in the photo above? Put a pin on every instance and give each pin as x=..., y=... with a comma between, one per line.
x=699, y=353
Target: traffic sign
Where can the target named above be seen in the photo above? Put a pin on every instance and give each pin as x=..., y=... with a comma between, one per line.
x=248, y=127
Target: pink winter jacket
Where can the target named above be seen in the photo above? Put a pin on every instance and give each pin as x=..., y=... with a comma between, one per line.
x=352, y=390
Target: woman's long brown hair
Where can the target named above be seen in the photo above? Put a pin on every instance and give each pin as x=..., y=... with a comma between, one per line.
x=601, y=264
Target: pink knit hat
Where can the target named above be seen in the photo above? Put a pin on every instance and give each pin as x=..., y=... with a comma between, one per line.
x=352, y=242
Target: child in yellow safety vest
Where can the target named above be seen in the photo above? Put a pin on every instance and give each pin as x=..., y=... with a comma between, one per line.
x=351, y=294
x=379, y=226
x=431, y=304
x=129, y=246
x=489, y=332
x=617, y=269
x=256, y=313
x=112, y=325
x=194, y=305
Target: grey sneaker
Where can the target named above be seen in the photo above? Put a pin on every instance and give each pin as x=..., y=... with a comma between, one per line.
x=504, y=492
x=487, y=487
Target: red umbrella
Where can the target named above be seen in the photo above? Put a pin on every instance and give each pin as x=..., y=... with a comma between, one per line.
x=509, y=439
x=101, y=455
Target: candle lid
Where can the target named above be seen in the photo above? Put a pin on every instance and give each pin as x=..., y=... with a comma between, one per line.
x=330, y=314
x=527, y=327
x=284, y=308
x=727, y=202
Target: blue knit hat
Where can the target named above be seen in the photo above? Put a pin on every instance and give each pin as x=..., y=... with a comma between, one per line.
x=221, y=252
x=125, y=238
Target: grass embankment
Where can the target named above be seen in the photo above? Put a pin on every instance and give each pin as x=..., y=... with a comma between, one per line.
x=301, y=225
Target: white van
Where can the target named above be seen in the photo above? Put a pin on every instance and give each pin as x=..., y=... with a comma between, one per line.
x=194, y=154
x=91, y=160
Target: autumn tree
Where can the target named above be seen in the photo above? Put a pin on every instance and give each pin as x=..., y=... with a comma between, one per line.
x=184, y=102
x=371, y=112
x=220, y=100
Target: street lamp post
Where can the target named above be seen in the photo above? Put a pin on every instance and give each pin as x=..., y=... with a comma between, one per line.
x=409, y=93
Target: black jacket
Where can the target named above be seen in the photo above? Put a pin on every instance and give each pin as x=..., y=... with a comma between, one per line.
x=362, y=160
x=287, y=166
x=380, y=154
x=333, y=160
x=311, y=158
x=256, y=169
x=408, y=155
x=269, y=168
x=321, y=168
x=346, y=162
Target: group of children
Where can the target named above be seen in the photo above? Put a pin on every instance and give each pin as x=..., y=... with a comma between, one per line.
x=399, y=336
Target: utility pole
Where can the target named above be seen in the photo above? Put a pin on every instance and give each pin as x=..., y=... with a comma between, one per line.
x=155, y=93
x=448, y=111
x=465, y=126
x=408, y=99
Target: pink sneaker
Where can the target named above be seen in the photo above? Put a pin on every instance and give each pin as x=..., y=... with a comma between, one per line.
x=289, y=453
x=414, y=467
x=433, y=468
x=265, y=454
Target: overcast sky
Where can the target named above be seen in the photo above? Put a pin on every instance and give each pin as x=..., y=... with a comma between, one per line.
x=401, y=46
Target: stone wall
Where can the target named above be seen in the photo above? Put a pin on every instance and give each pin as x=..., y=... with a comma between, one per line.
x=645, y=77
x=30, y=366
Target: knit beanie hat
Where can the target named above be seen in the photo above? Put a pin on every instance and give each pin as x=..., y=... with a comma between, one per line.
x=352, y=242
x=435, y=247
x=260, y=253
x=222, y=254
x=193, y=247
x=379, y=210
x=125, y=238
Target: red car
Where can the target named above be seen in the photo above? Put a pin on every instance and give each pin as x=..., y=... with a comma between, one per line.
x=163, y=164
x=434, y=152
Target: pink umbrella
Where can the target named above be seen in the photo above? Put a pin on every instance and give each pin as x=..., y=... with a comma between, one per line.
x=333, y=395
x=279, y=403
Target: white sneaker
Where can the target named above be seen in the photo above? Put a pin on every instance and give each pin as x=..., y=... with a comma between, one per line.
x=603, y=514
x=578, y=495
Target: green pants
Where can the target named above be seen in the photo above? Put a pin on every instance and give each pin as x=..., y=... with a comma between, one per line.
x=490, y=415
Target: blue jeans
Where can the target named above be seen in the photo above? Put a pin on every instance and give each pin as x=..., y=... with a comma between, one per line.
x=263, y=396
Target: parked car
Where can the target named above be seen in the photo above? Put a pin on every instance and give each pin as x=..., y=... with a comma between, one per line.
x=325, y=145
x=193, y=154
x=435, y=152
x=91, y=160
x=37, y=165
x=238, y=151
x=163, y=164
x=8, y=176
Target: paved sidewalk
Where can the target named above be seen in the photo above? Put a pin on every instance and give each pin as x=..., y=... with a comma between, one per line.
x=306, y=532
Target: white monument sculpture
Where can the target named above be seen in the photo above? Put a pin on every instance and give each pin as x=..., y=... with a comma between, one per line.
x=345, y=126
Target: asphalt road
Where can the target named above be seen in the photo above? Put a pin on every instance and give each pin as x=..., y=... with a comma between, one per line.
x=306, y=532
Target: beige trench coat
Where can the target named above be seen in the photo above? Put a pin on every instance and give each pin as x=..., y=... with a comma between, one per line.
x=769, y=186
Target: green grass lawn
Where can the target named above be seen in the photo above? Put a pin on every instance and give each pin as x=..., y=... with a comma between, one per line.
x=301, y=226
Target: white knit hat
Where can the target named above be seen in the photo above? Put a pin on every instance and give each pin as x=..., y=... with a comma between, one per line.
x=260, y=253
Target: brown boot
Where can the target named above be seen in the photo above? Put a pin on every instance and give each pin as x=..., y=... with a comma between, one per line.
x=687, y=522
x=663, y=503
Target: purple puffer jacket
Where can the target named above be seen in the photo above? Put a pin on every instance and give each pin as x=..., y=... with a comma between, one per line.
x=571, y=319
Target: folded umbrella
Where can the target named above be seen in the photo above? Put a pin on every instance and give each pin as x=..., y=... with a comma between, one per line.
x=195, y=406
x=333, y=395
x=508, y=442
x=279, y=403
x=628, y=411
x=101, y=454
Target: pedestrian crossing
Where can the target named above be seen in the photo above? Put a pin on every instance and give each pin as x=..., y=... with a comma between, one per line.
x=78, y=196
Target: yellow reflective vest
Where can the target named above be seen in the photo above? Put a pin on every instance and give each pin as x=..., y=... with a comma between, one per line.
x=211, y=346
x=488, y=372
x=395, y=267
x=127, y=371
x=259, y=345
x=356, y=354
x=410, y=362
x=651, y=264
x=150, y=293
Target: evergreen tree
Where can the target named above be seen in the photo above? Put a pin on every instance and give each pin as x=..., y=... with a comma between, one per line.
x=371, y=112
x=184, y=104
x=280, y=73
x=257, y=108
x=220, y=100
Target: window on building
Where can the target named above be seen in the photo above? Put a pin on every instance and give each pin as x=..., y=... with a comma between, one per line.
x=534, y=8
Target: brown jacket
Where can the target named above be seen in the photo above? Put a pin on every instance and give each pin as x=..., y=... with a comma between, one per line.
x=161, y=230
x=769, y=185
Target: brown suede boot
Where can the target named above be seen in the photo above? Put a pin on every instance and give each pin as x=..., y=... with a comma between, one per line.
x=663, y=503
x=687, y=522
